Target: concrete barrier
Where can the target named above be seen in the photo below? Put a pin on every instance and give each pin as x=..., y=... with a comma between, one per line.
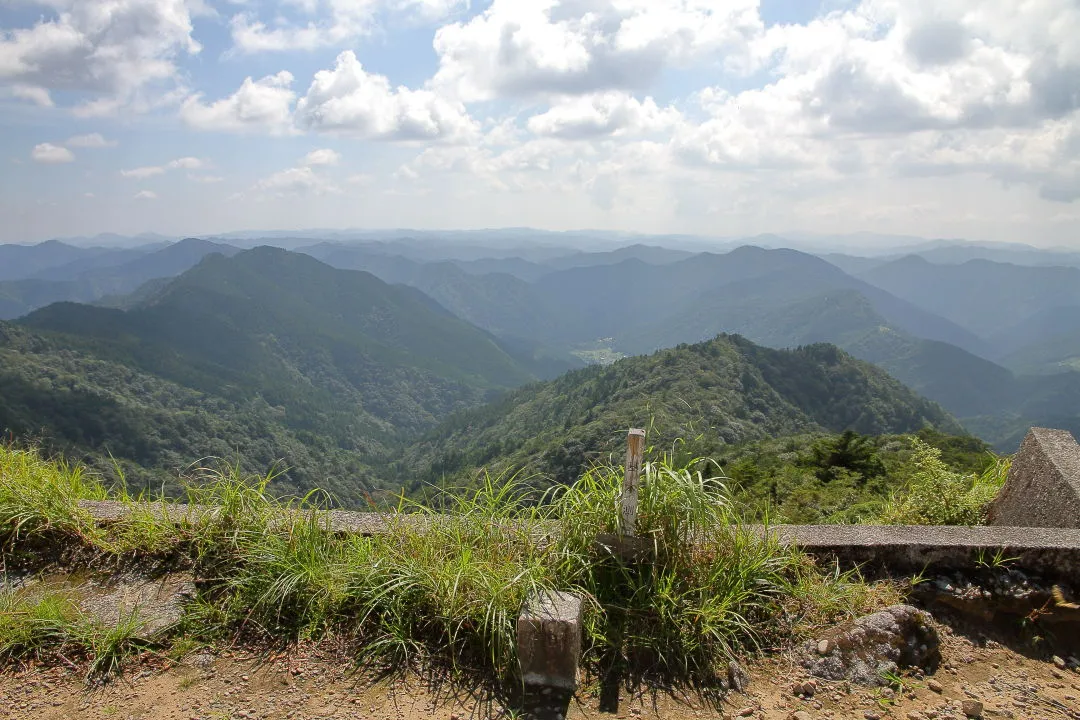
x=1051, y=553
x=1043, y=488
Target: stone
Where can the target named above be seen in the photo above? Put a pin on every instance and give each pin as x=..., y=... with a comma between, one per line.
x=1043, y=487
x=899, y=636
x=972, y=708
x=549, y=640
x=800, y=715
x=1059, y=662
x=746, y=711
x=823, y=647
x=935, y=686
x=738, y=678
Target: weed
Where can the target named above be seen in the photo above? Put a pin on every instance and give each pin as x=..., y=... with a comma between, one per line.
x=38, y=495
x=110, y=645
x=447, y=587
x=31, y=626
x=995, y=561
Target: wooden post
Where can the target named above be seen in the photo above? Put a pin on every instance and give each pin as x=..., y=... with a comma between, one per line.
x=635, y=450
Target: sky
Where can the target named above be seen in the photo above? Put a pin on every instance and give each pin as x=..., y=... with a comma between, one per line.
x=935, y=118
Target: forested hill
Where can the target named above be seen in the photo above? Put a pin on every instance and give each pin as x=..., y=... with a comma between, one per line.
x=265, y=355
x=711, y=394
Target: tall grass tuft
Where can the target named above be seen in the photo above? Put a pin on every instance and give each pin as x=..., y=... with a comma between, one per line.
x=715, y=590
x=31, y=626
x=38, y=495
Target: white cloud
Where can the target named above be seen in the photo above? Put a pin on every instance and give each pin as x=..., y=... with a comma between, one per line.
x=141, y=173
x=322, y=156
x=206, y=179
x=184, y=163
x=328, y=23
x=120, y=52
x=350, y=101
x=295, y=181
x=37, y=95
x=611, y=113
x=51, y=154
x=263, y=105
x=92, y=140
x=145, y=195
x=571, y=46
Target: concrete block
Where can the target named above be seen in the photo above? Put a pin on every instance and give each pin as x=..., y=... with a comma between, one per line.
x=549, y=640
x=1043, y=488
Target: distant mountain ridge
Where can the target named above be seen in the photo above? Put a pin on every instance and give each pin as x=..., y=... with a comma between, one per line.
x=78, y=275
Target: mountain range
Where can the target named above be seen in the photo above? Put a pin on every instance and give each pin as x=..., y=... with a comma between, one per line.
x=997, y=344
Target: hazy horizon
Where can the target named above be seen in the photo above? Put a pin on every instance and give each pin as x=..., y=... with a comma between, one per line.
x=596, y=239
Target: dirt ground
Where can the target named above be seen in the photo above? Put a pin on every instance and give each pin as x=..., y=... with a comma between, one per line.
x=302, y=685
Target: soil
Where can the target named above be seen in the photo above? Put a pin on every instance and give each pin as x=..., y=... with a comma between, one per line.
x=308, y=684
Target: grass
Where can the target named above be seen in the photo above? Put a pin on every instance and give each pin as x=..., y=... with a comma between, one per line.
x=39, y=495
x=41, y=624
x=444, y=589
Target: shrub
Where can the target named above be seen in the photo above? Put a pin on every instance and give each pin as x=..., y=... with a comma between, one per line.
x=935, y=495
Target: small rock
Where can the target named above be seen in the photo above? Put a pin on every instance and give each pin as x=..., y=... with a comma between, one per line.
x=915, y=715
x=800, y=715
x=972, y=708
x=746, y=711
x=935, y=686
x=738, y=678
x=1059, y=662
x=897, y=637
x=823, y=647
x=203, y=660
x=872, y=715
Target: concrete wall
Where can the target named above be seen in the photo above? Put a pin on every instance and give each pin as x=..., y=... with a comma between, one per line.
x=1048, y=552
x=1043, y=489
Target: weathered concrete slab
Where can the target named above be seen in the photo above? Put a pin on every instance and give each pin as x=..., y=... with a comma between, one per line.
x=1043, y=488
x=549, y=640
x=156, y=602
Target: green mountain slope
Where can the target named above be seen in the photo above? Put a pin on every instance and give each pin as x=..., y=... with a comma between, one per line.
x=332, y=356
x=99, y=410
x=723, y=391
